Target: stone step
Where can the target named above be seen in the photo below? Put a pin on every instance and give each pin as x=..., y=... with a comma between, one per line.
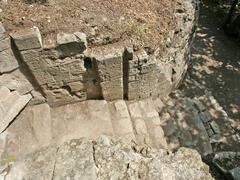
x=139, y=125
x=20, y=138
x=88, y=119
x=41, y=123
x=153, y=124
x=121, y=120
x=101, y=118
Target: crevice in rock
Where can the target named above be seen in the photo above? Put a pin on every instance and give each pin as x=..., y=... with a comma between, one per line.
x=97, y=79
x=55, y=162
x=93, y=76
x=9, y=72
x=127, y=55
x=94, y=154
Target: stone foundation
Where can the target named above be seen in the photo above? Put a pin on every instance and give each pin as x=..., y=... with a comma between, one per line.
x=69, y=71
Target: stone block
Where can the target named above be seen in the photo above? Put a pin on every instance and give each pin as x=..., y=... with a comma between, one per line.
x=37, y=98
x=82, y=38
x=112, y=90
x=66, y=38
x=76, y=86
x=71, y=44
x=27, y=39
x=7, y=61
x=67, y=71
x=109, y=64
x=31, y=55
x=43, y=77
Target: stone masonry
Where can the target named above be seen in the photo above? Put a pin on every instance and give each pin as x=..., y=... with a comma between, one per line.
x=68, y=70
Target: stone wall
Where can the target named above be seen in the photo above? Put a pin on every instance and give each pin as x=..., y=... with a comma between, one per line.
x=69, y=71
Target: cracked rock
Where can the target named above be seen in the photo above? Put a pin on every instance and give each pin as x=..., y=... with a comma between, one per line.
x=116, y=159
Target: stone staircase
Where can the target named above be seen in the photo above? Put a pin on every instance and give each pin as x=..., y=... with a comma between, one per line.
x=40, y=125
x=166, y=124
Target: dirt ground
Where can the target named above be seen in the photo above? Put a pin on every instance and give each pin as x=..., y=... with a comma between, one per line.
x=215, y=63
x=146, y=23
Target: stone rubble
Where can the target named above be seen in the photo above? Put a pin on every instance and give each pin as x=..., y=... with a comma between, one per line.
x=108, y=159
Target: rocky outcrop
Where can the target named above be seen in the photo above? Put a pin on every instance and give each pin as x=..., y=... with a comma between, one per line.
x=70, y=70
x=107, y=159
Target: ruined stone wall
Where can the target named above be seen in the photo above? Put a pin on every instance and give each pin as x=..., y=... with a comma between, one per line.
x=70, y=71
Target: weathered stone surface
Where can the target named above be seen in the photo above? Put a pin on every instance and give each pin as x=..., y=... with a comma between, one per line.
x=31, y=130
x=81, y=120
x=27, y=39
x=38, y=165
x=82, y=38
x=16, y=80
x=69, y=71
x=121, y=119
x=76, y=86
x=5, y=44
x=109, y=159
x=153, y=125
x=37, y=98
x=2, y=31
x=109, y=61
x=71, y=44
x=139, y=125
x=8, y=62
x=12, y=104
x=75, y=160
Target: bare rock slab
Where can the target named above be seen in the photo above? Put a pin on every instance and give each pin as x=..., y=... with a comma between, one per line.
x=108, y=159
x=8, y=61
x=12, y=104
x=16, y=81
x=75, y=160
x=38, y=165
